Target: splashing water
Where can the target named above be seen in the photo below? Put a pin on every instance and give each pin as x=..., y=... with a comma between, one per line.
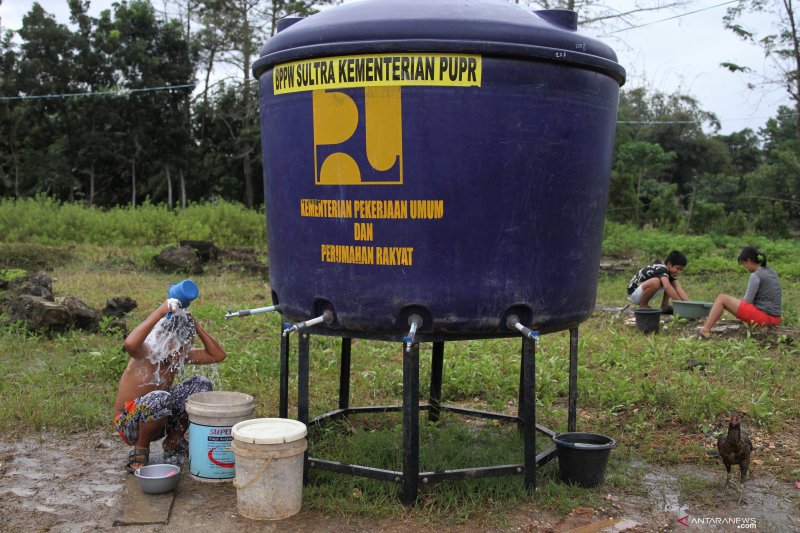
x=169, y=342
x=208, y=371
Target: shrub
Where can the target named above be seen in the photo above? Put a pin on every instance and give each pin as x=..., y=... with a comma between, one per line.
x=45, y=221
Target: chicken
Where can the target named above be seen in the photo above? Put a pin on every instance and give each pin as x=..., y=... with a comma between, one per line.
x=735, y=449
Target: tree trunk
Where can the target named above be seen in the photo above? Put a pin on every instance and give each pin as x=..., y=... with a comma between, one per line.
x=15, y=159
x=16, y=177
x=133, y=182
x=204, y=125
x=794, y=88
x=691, y=210
x=72, y=180
x=247, y=169
x=638, y=197
x=169, y=189
x=190, y=153
x=136, y=153
x=183, y=189
x=91, y=185
x=247, y=117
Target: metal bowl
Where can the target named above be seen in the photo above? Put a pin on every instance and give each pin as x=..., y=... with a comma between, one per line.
x=691, y=309
x=157, y=479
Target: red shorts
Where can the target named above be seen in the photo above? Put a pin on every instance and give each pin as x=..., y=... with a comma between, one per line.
x=753, y=315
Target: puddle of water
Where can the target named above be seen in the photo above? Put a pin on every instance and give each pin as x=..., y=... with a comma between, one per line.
x=106, y=488
x=769, y=504
x=39, y=507
x=29, y=474
x=109, y=501
x=79, y=527
x=19, y=491
x=662, y=486
x=60, y=499
x=46, y=481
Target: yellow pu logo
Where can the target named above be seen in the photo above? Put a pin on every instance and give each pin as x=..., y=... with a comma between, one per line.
x=358, y=142
x=357, y=111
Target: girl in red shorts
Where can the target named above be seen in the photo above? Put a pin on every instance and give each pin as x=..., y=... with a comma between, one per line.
x=761, y=303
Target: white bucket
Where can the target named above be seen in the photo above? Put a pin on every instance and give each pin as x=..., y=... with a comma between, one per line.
x=211, y=416
x=269, y=467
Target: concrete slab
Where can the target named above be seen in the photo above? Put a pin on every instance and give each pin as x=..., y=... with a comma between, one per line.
x=139, y=508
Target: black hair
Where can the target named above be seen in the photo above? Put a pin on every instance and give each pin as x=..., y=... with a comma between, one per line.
x=676, y=258
x=752, y=253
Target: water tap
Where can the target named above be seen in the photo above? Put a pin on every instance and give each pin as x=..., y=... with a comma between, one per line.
x=326, y=316
x=513, y=322
x=248, y=312
x=414, y=321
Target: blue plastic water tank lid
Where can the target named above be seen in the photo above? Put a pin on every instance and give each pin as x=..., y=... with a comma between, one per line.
x=486, y=27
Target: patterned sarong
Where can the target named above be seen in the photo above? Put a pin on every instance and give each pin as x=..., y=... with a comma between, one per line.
x=158, y=404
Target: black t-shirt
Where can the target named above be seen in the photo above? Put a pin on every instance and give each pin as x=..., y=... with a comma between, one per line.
x=649, y=272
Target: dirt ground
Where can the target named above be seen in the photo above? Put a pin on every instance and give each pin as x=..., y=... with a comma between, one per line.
x=78, y=485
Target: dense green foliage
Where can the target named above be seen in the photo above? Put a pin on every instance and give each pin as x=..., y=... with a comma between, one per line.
x=102, y=110
x=706, y=253
x=42, y=220
x=149, y=135
x=668, y=172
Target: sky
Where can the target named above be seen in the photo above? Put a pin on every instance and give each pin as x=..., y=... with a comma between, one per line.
x=679, y=55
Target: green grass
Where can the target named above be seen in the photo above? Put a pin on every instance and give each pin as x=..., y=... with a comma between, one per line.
x=454, y=442
x=45, y=221
x=61, y=383
x=697, y=488
x=638, y=389
x=633, y=387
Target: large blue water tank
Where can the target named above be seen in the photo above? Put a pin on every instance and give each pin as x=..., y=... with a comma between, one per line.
x=446, y=158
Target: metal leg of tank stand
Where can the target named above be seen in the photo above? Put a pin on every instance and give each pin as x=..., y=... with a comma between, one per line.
x=572, y=409
x=302, y=377
x=437, y=366
x=521, y=393
x=410, y=423
x=283, y=381
x=344, y=374
x=529, y=412
x=302, y=390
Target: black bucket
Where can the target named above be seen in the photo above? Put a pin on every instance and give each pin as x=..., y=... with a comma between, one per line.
x=648, y=320
x=582, y=457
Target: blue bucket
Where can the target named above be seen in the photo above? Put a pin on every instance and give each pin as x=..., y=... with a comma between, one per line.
x=185, y=291
x=211, y=417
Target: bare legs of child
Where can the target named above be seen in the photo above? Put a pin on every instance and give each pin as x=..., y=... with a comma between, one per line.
x=723, y=302
x=152, y=431
x=649, y=289
x=148, y=431
x=174, y=437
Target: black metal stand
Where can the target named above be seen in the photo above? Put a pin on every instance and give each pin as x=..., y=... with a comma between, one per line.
x=283, y=380
x=410, y=477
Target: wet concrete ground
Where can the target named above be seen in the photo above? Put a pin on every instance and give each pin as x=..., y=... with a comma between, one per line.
x=76, y=484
